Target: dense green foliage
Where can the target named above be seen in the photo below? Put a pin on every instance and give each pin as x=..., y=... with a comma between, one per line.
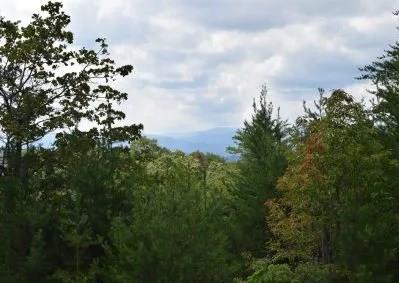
x=317, y=201
x=259, y=144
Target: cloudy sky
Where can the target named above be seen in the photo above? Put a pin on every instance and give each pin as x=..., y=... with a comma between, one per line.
x=199, y=63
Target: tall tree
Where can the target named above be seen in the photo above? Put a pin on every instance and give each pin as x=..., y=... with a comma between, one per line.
x=259, y=145
x=384, y=75
x=46, y=84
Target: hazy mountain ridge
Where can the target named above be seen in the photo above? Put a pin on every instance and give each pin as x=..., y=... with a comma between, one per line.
x=214, y=140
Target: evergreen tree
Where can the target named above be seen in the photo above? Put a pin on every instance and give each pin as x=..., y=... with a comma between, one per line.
x=384, y=75
x=260, y=147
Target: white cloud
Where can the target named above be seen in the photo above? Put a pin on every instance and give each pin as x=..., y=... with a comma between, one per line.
x=198, y=64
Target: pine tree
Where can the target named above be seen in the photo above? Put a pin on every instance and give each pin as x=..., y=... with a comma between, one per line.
x=260, y=147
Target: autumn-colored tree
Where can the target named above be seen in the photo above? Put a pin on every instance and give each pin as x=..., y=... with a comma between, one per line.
x=339, y=199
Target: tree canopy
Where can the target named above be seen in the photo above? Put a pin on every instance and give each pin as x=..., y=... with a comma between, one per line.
x=312, y=201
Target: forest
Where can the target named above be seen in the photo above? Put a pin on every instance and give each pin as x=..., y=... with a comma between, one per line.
x=314, y=200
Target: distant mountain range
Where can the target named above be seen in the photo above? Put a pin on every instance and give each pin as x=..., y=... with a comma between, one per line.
x=214, y=140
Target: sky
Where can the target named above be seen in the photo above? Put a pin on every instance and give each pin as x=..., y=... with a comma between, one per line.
x=198, y=64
